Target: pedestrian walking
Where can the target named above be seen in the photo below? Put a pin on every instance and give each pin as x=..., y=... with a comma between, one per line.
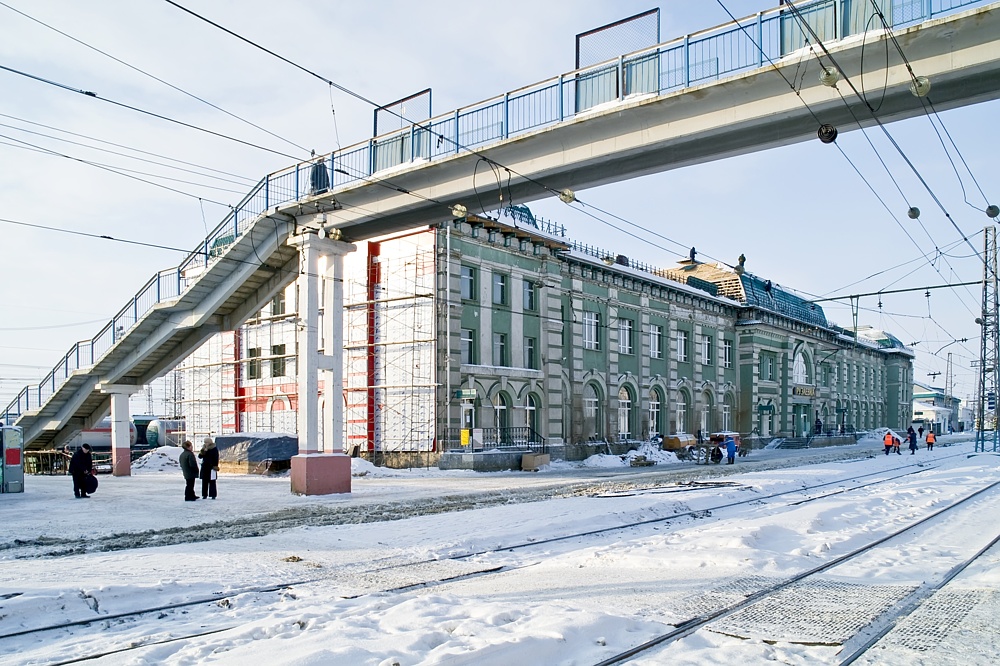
x=209, y=468
x=920, y=431
x=887, y=441
x=895, y=445
x=931, y=438
x=81, y=465
x=912, y=436
x=189, y=466
x=730, y=451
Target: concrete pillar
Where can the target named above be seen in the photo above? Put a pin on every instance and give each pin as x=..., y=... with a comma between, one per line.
x=316, y=471
x=121, y=436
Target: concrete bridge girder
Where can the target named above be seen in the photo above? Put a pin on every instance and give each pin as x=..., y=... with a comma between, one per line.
x=736, y=115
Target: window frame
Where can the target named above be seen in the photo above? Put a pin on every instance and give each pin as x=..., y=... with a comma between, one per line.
x=592, y=330
x=279, y=361
x=468, y=279
x=682, y=341
x=467, y=351
x=500, y=351
x=500, y=285
x=625, y=333
x=655, y=341
x=254, y=363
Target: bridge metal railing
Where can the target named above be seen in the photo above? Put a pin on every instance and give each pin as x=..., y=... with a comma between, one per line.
x=677, y=64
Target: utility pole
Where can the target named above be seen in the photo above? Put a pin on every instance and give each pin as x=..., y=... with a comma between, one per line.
x=989, y=353
x=947, y=394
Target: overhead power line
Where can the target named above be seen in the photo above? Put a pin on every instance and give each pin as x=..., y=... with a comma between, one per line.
x=107, y=100
x=155, y=78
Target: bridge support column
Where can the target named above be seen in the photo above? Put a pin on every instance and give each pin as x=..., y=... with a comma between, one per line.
x=121, y=435
x=316, y=471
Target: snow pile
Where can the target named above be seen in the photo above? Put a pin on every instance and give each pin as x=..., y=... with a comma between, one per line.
x=651, y=453
x=162, y=459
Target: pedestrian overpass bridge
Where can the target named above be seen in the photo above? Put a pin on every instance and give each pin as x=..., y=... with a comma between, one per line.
x=699, y=98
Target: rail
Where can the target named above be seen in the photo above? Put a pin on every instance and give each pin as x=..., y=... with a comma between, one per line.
x=725, y=50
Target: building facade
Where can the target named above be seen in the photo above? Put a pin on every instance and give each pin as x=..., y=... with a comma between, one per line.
x=508, y=328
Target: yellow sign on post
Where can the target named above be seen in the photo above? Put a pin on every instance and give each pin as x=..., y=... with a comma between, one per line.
x=465, y=436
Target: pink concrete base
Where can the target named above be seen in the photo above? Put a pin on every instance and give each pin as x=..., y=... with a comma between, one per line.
x=121, y=462
x=321, y=473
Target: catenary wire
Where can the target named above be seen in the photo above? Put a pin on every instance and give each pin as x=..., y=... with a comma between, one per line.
x=153, y=114
x=119, y=145
x=155, y=78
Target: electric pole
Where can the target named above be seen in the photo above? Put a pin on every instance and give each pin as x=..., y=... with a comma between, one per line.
x=989, y=352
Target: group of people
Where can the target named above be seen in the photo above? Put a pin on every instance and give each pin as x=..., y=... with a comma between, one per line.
x=208, y=473
x=891, y=442
x=81, y=466
x=730, y=445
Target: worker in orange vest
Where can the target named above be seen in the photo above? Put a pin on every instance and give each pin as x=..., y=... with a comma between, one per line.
x=887, y=440
x=930, y=440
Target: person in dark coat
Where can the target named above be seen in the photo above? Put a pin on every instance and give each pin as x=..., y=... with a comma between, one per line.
x=209, y=468
x=189, y=466
x=81, y=465
x=912, y=436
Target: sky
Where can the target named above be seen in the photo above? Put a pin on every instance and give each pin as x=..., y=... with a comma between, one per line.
x=280, y=587
x=801, y=214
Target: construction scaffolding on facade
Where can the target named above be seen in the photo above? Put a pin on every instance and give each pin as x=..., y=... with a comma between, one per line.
x=389, y=331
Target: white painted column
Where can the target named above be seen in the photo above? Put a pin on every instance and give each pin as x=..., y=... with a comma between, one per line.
x=333, y=336
x=315, y=472
x=121, y=436
x=308, y=346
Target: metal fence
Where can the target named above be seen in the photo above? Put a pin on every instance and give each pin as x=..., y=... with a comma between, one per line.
x=729, y=49
x=520, y=438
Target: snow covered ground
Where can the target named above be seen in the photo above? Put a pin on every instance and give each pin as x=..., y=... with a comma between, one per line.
x=357, y=579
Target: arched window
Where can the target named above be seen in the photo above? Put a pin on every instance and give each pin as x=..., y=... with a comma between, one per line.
x=727, y=412
x=655, y=405
x=500, y=407
x=800, y=370
x=624, y=413
x=531, y=413
x=706, y=422
x=680, y=413
x=591, y=412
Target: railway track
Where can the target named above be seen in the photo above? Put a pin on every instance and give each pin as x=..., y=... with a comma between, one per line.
x=422, y=572
x=898, y=612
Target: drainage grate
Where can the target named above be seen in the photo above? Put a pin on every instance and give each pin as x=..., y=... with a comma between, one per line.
x=819, y=612
x=730, y=592
x=930, y=624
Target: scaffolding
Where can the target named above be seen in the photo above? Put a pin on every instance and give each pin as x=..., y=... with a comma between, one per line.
x=389, y=330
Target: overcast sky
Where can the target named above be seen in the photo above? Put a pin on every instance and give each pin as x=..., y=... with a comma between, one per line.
x=801, y=214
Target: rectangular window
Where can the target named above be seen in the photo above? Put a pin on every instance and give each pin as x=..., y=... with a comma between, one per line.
x=499, y=349
x=706, y=350
x=655, y=341
x=529, y=354
x=624, y=336
x=278, y=304
x=499, y=289
x=767, y=367
x=278, y=361
x=253, y=364
x=468, y=346
x=727, y=417
x=591, y=330
x=682, y=347
x=529, y=296
x=727, y=353
x=468, y=283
